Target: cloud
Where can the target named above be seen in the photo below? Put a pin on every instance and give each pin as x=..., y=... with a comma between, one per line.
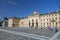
x=11, y=2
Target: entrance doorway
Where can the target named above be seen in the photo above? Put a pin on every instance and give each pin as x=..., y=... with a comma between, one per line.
x=29, y=23
x=32, y=23
x=36, y=24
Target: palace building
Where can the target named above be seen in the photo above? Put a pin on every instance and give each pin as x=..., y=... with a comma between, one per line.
x=36, y=20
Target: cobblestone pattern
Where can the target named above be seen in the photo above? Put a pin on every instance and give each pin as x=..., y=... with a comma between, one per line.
x=43, y=32
x=8, y=36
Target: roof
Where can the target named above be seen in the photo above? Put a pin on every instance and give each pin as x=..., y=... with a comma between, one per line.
x=51, y=13
x=36, y=13
x=14, y=17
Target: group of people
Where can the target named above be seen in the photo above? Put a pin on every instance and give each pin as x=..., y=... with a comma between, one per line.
x=56, y=28
x=50, y=28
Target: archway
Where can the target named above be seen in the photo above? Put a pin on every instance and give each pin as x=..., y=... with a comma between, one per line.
x=29, y=23
x=32, y=23
x=36, y=24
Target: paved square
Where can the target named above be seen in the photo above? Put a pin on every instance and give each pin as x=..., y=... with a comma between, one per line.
x=42, y=32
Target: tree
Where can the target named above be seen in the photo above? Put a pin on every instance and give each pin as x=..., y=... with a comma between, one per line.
x=5, y=18
x=1, y=22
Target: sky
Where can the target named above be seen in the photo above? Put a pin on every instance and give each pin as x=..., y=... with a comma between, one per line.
x=23, y=8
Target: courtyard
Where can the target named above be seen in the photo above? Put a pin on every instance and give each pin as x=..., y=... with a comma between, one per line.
x=9, y=36
x=45, y=32
x=42, y=32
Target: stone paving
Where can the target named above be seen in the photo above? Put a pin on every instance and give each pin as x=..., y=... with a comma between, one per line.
x=43, y=32
x=58, y=37
x=9, y=36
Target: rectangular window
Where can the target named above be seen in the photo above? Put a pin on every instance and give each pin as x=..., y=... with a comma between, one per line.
x=41, y=19
x=44, y=16
x=44, y=19
x=59, y=22
x=49, y=15
x=53, y=23
x=52, y=18
x=47, y=23
x=47, y=19
x=59, y=13
x=59, y=18
x=55, y=14
x=56, y=18
x=56, y=23
x=41, y=23
x=52, y=14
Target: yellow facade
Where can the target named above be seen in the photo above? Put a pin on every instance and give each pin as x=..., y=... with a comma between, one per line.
x=37, y=19
x=13, y=21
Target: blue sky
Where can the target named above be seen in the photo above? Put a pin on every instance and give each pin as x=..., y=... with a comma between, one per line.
x=23, y=8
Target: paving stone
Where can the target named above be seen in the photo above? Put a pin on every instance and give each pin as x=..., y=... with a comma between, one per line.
x=9, y=36
x=38, y=31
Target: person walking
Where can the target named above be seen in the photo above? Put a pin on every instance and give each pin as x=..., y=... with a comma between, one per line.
x=51, y=28
x=56, y=29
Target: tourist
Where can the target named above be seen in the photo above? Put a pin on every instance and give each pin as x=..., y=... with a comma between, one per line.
x=36, y=27
x=56, y=29
x=51, y=28
x=41, y=27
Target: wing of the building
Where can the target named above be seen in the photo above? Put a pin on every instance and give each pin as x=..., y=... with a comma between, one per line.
x=36, y=20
